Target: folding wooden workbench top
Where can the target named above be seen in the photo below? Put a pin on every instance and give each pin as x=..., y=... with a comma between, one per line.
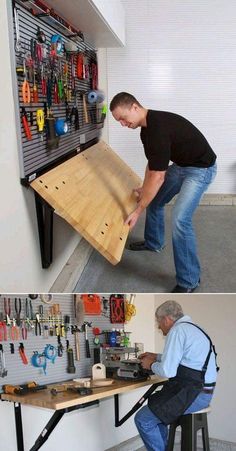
x=45, y=399
x=93, y=192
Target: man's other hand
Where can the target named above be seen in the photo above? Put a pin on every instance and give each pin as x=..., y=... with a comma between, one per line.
x=147, y=359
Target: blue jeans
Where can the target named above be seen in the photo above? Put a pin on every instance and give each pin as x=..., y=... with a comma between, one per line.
x=153, y=432
x=189, y=183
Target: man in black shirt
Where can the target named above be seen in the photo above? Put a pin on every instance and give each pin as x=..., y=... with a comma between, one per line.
x=169, y=137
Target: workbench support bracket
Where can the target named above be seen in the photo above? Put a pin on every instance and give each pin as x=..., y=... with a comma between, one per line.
x=19, y=429
x=119, y=422
x=45, y=228
x=54, y=420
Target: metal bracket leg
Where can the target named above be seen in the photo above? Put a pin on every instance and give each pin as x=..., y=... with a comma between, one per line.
x=119, y=422
x=45, y=227
x=19, y=429
x=54, y=420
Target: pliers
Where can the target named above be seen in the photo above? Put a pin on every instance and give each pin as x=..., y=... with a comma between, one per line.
x=37, y=324
x=24, y=331
x=18, y=310
x=7, y=309
x=3, y=331
x=14, y=331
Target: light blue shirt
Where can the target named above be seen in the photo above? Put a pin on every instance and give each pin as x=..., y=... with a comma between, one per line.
x=188, y=346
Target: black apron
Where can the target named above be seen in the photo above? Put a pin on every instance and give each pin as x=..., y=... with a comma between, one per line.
x=180, y=391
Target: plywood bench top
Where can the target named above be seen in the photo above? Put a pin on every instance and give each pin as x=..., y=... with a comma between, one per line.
x=93, y=192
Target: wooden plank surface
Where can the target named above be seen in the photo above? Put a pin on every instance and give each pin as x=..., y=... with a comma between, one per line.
x=93, y=192
x=45, y=399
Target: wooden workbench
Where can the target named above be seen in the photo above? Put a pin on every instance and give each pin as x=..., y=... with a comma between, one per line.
x=93, y=192
x=69, y=401
x=45, y=399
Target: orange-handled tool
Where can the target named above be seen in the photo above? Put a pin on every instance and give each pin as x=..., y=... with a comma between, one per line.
x=25, y=88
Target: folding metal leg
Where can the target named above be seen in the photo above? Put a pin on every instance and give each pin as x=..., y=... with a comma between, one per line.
x=54, y=420
x=119, y=422
x=19, y=428
x=45, y=227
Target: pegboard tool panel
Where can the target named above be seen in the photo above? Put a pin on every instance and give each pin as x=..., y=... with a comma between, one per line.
x=54, y=88
x=93, y=192
x=19, y=373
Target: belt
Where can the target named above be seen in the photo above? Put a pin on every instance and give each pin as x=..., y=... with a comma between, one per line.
x=209, y=391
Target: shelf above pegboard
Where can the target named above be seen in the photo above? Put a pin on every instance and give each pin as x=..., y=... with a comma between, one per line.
x=103, y=23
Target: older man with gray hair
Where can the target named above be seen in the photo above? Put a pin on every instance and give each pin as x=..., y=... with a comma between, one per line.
x=189, y=363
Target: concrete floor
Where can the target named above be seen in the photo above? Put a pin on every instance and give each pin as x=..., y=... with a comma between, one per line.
x=149, y=272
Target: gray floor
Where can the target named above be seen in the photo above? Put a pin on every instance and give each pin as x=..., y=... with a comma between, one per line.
x=149, y=272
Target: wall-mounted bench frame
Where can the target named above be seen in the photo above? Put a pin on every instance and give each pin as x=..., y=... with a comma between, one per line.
x=64, y=404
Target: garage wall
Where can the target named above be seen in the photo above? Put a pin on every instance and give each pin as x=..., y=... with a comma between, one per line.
x=91, y=429
x=216, y=314
x=180, y=56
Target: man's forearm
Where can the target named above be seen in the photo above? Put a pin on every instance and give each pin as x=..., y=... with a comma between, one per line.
x=153, y=181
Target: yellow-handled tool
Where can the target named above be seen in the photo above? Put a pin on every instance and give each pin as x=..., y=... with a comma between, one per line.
x=40, y=122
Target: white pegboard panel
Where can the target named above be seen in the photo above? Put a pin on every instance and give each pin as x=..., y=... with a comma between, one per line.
x=19, y=373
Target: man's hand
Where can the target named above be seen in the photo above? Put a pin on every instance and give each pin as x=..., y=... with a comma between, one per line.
x=138, y=193
x=133, y=218
x=147, y=359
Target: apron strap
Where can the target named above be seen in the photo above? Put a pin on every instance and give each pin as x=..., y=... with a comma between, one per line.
x=212, y=348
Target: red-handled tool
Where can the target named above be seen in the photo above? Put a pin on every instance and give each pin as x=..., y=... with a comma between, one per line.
x=3, y=331
x=22, y=354
x=25, y=123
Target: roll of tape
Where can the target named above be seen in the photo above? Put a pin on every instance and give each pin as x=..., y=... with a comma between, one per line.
x=95, y=97
x=61, y=127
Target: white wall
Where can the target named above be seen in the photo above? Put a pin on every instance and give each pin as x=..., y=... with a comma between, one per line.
x=91, y=429
x=114, y=14
x=216, y=314
x=180, y=56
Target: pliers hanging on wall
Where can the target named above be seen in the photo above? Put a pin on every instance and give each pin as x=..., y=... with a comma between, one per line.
x=7, y=310
x=18, y=310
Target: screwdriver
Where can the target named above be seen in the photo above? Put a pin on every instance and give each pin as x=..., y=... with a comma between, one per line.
x=40, y=122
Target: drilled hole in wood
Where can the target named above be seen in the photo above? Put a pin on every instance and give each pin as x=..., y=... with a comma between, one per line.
x=121, y=239
x=63, y=182
x=106, y=224
x=41, y=181
x=56, y=187
x=46, y=186
x=102, y=233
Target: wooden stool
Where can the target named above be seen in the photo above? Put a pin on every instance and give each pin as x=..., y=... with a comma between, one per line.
x=190, y=424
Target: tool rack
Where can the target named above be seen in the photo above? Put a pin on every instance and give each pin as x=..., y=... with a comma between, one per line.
x=34, y=156
x=18, y=373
